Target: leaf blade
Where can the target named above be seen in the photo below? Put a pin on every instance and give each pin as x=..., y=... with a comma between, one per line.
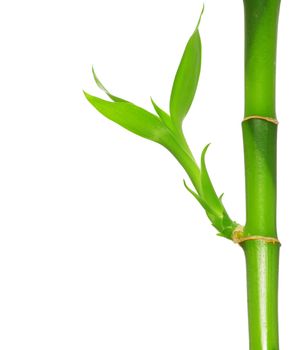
x=207, y=190
x=202, y=202
x=131, y=117
x=186, y=79
x=163, y=115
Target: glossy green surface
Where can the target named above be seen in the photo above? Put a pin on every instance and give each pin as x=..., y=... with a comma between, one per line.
x=183, y=90
x=260, y=139
x=260, y=143
x=262, y=283
x=261, y=19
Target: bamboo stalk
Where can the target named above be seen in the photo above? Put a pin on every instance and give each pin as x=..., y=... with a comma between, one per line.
x=260, y=146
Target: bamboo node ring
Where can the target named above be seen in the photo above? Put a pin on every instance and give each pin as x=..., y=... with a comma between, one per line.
x=268, y=119
x=238, y=238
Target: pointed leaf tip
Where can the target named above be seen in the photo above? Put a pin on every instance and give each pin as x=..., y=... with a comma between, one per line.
x=163, y=115
x=103, y=88
x=87, y=95
x=202, y=202
x=207, y=191
x=200, y=17
x=98, y=82
x=204, y=152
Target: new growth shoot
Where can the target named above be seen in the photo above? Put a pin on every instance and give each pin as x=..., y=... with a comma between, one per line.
x=167, y=129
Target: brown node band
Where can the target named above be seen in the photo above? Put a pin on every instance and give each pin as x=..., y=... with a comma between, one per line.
x=268, y=119
x=238, y=238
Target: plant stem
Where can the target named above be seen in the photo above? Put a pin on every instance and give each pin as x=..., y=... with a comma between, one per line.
x=260, y=143
x=261, y=20
x=262, y=286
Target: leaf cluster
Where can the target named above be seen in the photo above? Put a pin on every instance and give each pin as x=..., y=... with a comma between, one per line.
x=166, y=129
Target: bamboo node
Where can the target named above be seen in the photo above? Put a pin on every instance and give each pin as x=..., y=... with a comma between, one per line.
x=268, y=119
x=238, y=238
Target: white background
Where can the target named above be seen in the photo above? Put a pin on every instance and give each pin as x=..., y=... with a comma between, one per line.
x=101, y=247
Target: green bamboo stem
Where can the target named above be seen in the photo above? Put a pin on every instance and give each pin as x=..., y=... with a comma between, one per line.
x=260, y=143
x=262, y=287
x=261, y=20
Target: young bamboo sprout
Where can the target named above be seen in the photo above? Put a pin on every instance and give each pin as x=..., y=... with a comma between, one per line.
x=258, y=237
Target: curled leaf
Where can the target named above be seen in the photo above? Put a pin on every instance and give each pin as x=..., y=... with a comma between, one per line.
x=102, y=87
x=204, y=204
x=186, y=79
x=207, y=191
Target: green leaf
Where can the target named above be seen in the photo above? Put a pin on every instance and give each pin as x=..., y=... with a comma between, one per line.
x=203, y=203
x=163, y=115
x=207, y=191
x=186, y=79
x=102, y=87
x=131, y=117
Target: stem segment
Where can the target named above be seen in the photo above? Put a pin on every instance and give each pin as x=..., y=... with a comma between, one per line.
x=261, y=20
x=260, y=142
x=262, y=287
